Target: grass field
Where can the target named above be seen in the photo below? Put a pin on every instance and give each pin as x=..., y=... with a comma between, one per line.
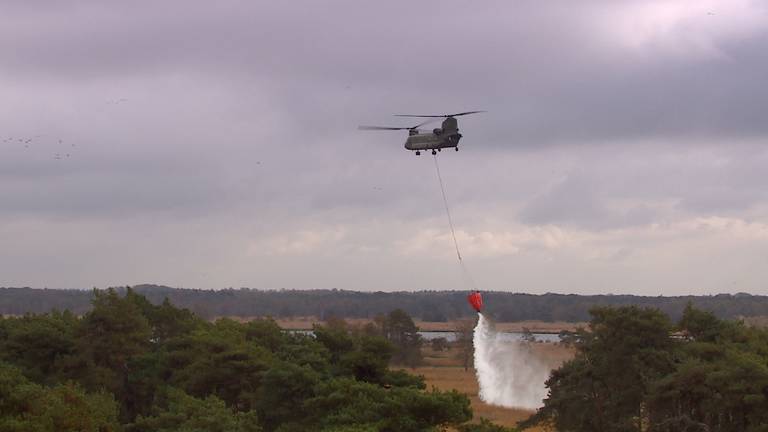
x=443, y=370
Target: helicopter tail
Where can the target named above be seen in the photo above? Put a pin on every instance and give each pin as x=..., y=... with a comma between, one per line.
x=450, y=125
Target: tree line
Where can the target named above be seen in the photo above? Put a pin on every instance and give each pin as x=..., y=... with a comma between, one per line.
x=130, y=365
x=437, y=306
x=637, y=371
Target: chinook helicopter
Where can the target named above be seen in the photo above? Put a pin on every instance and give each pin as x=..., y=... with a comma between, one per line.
x=446, y=136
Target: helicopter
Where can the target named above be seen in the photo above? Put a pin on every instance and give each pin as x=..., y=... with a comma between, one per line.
x=446, y=136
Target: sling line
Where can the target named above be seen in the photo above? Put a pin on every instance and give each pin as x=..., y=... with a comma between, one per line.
x=464, y=269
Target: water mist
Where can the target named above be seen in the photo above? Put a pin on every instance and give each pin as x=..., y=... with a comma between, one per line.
x=509, y=373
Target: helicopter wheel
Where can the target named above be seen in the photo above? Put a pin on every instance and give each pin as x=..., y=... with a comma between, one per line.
x=457, y=148
x=418, y=153
x=439, y=149
x=434, y=152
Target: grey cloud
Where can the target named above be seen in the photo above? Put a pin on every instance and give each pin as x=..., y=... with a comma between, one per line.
x=735, y=185
x=618, y=186
x=544, y=86
x=578, y=201
x=67, y=188
x=247, y=112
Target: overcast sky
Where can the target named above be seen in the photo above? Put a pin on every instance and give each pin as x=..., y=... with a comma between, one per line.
x=215, y=144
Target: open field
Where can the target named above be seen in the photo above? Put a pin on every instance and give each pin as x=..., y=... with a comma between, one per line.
x=456, y=378
x=443, y=370
x=306, y=323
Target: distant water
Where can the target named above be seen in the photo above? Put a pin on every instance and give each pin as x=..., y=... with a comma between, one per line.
x=501, y=336
x=452, y=336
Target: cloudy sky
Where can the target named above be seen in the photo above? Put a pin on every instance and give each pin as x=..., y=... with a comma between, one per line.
x=215, y=144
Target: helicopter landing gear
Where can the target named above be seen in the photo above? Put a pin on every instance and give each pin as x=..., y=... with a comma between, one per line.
x=457, y=148
x=418, y=152
x=434, y=152
x=439, y=149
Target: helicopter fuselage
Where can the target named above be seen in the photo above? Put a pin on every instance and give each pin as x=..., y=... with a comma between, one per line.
x=431, y=140
x=444, y=137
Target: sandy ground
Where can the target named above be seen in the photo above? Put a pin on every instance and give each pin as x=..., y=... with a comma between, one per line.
x=443, y=370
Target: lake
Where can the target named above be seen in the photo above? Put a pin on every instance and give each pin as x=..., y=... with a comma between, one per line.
x=451, y=336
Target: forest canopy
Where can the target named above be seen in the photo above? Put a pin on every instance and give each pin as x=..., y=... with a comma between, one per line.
x=637, y=371
x=130, y=365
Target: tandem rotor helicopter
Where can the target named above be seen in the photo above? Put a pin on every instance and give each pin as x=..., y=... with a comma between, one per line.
x=445, y=136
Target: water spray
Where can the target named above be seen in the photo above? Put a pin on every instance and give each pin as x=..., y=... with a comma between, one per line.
x=508, y=372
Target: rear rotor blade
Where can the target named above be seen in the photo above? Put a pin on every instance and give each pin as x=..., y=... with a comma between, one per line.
x=423, y=123
x=466, y=113
x=443, y=115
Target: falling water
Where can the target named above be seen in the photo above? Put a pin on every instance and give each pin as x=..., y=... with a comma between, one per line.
x=509, y=374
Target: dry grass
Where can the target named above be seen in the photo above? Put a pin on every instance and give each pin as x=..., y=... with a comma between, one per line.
x=756, y=321
x=306, y=323
x=456, y=378
x=443, y=370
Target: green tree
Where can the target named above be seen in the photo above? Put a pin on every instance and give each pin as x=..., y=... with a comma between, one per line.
x=167, y=322
x=26, y=406
x=109, y=338
x=604, y=387
x=266, y=333
x=439, y=344
x=217, y=360
x=112, y=333
x=37, y=343
x=398, y=327
x=485, y=425
x=157, y=368
x=147, y=371
x=184, y=413
x=699, y=325
x=720, y=381
x=400, y=378
x=336, y=338
x=305, y=350
x=285, y=387
x=369, y=360
x=344, y=402
x=465, y=349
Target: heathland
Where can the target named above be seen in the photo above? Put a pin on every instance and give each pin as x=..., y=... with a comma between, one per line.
x=426, y=306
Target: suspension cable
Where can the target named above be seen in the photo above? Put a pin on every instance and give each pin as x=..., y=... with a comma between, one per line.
x=447, y=209
x=464, y=269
